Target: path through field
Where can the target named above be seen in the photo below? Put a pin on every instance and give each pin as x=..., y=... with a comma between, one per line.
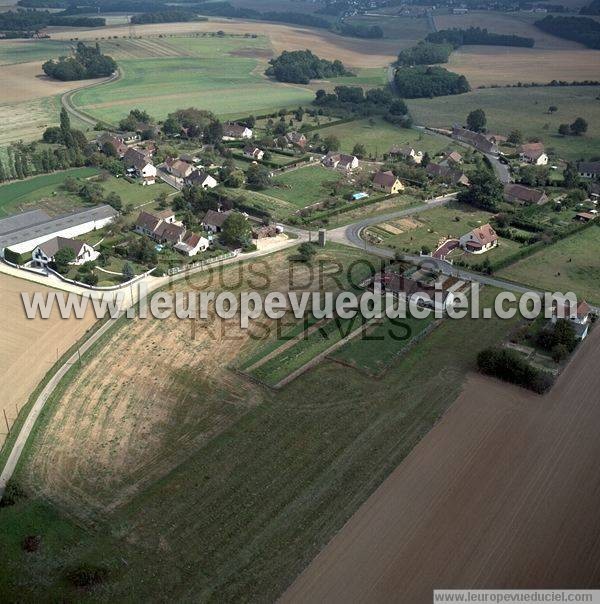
x=502, y=493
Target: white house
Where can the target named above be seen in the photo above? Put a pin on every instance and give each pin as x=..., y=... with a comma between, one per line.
x=201, y=179
x=406, y=152
x=233, y=131
x=341, y=161
x=533, y=153
x=580, y=319
x=44, y=253
x=192, y=244
x=253, y=152
x=479, y=240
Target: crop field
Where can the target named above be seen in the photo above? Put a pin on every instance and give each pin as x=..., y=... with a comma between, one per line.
x=303, y=186
x=23, y=195
x=233, y=84
x=572, y=264
x=24, y=340
x=171, y=438
x=407, y=30
x=526, y=109
x=500, y=457
x=378, y=347
x=25, y=51
x=378, y=136
x=430, y=227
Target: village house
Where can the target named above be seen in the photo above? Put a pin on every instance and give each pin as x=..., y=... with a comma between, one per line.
x=44, y=253
x=387, y=182
x=202, y=179
x=253, y=152
x=297, y=139
x=213, y=220
x=448, y=175
x=589, y=169
x=533, y=153
x=475, y=139
x=340, y=161
x=192, y=244
x=178, y=168
x=424, y=294
x=479, y=240
x=454, y=157
x=148, y=223
x=406, y=153
x=233, y=131
x=580, y=319
x=524, y=195
x=140, y=164
x=106, y=140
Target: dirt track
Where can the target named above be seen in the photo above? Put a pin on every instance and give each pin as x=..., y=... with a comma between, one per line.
x=503, y=492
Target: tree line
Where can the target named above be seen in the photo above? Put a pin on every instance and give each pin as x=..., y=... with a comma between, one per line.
x=477, y=35
x=584, y=30
x=171, y=15
x=26, y=21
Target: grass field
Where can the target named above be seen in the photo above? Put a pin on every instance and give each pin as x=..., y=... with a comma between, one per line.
x=380, y=346
x=572, y=264
x=428, y=228
x=378, y=137
x=223, y=75
x=525, y=109
x=27, y=120
x=21, y=195
x=24, y=51
x=304, y=186
x=262, y=482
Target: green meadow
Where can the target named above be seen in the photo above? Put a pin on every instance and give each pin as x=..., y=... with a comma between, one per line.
x=525, y=109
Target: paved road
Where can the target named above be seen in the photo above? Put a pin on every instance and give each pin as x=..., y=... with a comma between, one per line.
x=66, y=98
x=502, y=171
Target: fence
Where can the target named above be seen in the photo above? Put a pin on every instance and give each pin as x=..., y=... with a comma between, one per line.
x=202, y=263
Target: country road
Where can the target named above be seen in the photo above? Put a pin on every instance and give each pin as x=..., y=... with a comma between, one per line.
x=66, y=98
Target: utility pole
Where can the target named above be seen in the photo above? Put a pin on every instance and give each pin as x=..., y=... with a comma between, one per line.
x=6, y=420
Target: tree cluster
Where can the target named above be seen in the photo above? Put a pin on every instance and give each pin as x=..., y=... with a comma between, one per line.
x=194, y=124
x=302, y=66
x=26, y=21
x=171, y=15
x=88, y=62
x=358, y=30
x=428, y=82
x=577, y=128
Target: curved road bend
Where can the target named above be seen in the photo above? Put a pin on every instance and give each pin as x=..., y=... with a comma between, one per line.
x=66, y=98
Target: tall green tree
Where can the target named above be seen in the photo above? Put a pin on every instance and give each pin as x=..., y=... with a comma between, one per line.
x=476, y=120
x=485, y=192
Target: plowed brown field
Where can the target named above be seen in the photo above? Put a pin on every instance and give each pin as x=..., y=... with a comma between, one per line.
x=503, y=493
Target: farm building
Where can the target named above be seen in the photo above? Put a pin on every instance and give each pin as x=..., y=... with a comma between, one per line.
x=387, y=182
x=479, y=240
x=533, y=153
x=44, y=253
x=524, y=195
x=23, y=232
x=475, y=139
x=589, y=169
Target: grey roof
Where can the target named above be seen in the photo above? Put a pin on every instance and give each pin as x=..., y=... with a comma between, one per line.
x=54, y=225
x=52, y=246
x=592, y=167
x=22, y=221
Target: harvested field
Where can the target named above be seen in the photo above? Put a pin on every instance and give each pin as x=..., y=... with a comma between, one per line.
x=487, y=65
x=502, y=493
x=27, y=120
x=26, y=81
x=520, y=24
x=355, y=52
x=29, y=348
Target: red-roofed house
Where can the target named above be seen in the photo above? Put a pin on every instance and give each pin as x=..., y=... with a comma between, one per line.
x=479, y=240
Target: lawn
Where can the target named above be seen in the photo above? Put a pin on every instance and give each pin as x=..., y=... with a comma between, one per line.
x=223, y=75
x=246, y=499
x=525, y=109
x=572, y=264
x=430, y=227
x=134, y=193
x=21, y=195
x=378, y=136
x=304, y=186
